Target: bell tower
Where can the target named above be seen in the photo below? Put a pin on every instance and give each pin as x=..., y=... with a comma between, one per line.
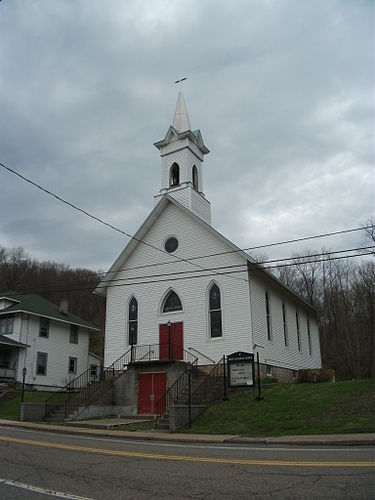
x=182, y=152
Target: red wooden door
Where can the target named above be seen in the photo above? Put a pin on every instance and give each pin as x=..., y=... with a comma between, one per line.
x=152, y=388
x=145, y=390
x=175, y=349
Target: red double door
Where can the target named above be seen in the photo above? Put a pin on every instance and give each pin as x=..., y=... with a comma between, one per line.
x=171, y=341
x=152, y=389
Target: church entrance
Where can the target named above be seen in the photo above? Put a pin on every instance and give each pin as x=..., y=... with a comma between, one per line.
x=152, y=387
x=171, y=341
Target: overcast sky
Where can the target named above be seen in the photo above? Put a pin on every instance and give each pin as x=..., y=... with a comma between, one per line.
x=282, y=92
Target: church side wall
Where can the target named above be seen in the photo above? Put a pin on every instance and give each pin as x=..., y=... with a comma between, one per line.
x=274, y=352
x=195, y=240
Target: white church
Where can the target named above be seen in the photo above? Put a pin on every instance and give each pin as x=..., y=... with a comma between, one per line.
x=180, y=281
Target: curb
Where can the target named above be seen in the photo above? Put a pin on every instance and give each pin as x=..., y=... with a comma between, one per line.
x=367, y=439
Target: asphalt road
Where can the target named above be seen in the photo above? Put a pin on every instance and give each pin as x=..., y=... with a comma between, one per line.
x=40, y=465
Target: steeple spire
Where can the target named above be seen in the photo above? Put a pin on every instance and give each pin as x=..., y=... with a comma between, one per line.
x=181, y=120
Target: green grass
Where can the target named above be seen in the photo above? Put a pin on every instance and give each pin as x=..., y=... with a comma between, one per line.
x=10, y=410
x=287, y=409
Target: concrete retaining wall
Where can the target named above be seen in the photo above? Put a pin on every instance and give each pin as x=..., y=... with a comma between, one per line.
x=179, y=415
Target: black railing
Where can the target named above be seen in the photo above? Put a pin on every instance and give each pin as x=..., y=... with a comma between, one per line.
x=86, y=388
x=211, y=386
x=178, y=387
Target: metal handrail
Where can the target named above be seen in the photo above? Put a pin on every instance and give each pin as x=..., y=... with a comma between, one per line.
x=201, y=354
x=86, y=388
x=178, y=387
x=206, y=391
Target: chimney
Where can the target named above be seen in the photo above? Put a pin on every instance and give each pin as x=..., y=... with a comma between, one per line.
x=64, y=306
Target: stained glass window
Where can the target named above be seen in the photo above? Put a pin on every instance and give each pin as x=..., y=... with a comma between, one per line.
x=133, y=321
x=268, y=315
x=172, y=302
x=216, y=329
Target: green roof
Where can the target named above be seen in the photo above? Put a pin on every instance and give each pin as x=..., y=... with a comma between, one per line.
x=35, y=304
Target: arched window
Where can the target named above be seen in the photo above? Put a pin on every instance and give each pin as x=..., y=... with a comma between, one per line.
x=195, y=177
x=133, y=321
x=216, y=328
x=172, y=302
x=174, y=175
x=268, y=315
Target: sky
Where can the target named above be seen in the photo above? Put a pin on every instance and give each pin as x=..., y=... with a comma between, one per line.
x=282, y=91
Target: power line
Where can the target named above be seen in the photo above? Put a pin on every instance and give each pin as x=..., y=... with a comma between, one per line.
x=187, y=260
x=94, y=217
x=176, y=276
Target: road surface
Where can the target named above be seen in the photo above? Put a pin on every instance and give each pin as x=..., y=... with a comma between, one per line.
x=37, y=465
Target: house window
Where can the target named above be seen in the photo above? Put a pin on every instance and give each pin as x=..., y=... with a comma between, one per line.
x=172, y=302
x=309, y=336
x=285, y=325
x=72, y=365
x=298, y=331
x=41, y=363
x=93, y=370
x=268, y=371
x=44, y=327
x=174, y=175
x=133, y=321
x=195, y=177
x=73, y=338
x=6, y=325
x=216, y=327
x=268, y=315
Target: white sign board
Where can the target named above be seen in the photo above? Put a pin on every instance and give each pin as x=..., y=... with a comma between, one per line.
x=240, y=374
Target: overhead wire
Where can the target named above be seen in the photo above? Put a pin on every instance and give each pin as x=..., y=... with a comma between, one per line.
x=231, y=269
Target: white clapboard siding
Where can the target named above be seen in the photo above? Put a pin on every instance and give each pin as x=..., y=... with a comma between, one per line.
x=274, y=351
x=194, y=240
x=58, y=348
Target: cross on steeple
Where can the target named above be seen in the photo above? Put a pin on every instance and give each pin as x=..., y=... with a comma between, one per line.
x=180, y=82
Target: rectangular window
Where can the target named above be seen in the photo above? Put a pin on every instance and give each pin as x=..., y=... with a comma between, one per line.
x=268, y=316
x=6, y=325
x=298, y=331
x=285, y=325
x=72, y=365
x=41, y=363
x=73, y=338
x=44, y=327
x=309, y=336
x=269, y=371
x=93, y=370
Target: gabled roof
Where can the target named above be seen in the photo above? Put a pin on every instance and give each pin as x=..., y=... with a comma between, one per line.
x=195, y=137
x=36, y=305
x=148, y=223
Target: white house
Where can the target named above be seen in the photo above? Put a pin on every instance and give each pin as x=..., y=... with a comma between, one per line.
x=50, y=342
x=179, y=271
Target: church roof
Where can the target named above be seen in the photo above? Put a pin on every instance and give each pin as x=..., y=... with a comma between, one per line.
x=148, y=223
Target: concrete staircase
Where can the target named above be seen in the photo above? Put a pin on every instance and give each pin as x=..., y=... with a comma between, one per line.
x=199, y=398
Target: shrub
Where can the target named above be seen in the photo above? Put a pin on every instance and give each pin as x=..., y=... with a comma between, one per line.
x=316, y=375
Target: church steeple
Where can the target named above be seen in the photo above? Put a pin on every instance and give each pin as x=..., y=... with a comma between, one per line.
x=181, y=120
x=182, y=152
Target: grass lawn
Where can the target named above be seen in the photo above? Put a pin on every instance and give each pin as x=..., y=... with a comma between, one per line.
x=10, y=410
x=287, y=409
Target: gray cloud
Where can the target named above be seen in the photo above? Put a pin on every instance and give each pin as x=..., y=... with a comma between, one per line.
x=282, y=92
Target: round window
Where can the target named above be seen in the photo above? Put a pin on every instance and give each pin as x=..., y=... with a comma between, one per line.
x=171, y=244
